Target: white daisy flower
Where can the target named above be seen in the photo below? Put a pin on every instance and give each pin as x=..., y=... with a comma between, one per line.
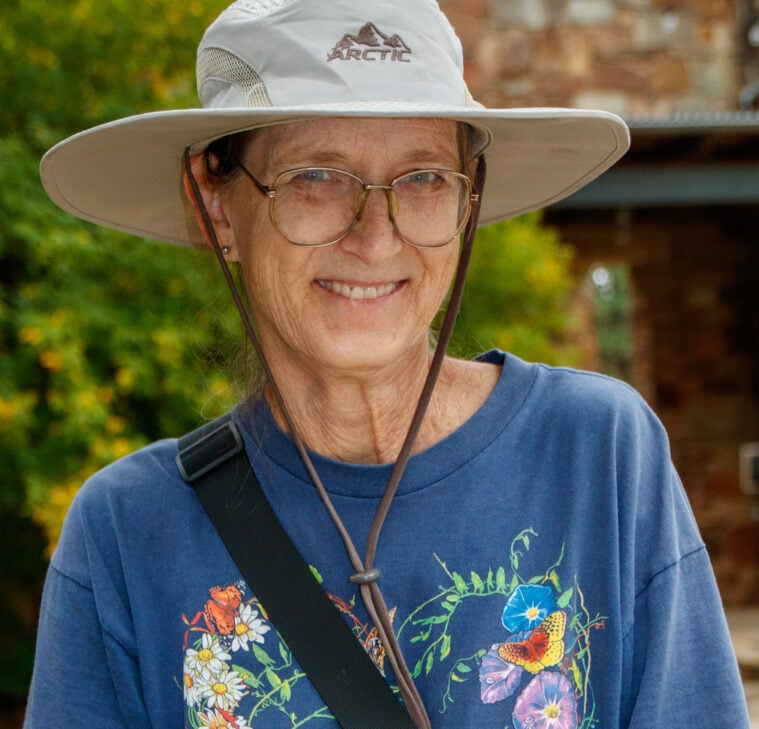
x=222, y=691
x=214, y=719
x=209, y=659
x=190, y=687
x=248, y=627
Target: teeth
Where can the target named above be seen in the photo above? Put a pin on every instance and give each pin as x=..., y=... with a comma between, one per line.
x=358, y=292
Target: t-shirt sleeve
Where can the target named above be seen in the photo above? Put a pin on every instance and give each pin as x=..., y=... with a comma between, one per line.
x=84, y=672
x=680, y=667
x=81, y=674
x=683, y=661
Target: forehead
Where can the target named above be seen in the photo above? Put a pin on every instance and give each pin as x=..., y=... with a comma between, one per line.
x=322, y=140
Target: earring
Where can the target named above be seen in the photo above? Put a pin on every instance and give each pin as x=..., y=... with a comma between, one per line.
x=226, y=250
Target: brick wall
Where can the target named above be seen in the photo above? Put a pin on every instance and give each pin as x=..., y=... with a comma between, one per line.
x=697, y=303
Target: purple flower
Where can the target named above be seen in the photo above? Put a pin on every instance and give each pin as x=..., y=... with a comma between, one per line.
x=498, y=678
x=527, y=607
x=547, y=703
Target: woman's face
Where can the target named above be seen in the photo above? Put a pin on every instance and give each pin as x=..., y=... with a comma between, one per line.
x=366, y=301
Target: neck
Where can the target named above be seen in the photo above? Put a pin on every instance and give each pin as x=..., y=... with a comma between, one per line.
x=358, y=418
x=355, y=417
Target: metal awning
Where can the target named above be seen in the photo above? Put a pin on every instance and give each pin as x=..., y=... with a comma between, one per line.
x=685, y=159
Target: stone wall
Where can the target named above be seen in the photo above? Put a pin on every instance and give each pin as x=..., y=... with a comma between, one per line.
x=633, y=57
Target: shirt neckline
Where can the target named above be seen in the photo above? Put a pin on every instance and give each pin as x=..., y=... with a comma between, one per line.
x=268, y=446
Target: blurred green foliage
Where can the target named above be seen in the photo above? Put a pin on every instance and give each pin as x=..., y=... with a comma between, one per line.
x=518, y=293
x=108, y=342
x=100, y=334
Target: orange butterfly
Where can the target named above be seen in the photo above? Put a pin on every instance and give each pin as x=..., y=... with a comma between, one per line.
x=219, y=613
x=221, y=609
x=544, y=647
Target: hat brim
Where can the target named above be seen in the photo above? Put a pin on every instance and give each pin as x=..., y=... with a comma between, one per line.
x=126, y=174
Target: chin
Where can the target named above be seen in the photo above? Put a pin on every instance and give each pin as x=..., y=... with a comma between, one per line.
x=370, y=351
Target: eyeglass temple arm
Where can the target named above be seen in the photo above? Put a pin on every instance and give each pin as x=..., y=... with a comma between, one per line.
x=263, y=189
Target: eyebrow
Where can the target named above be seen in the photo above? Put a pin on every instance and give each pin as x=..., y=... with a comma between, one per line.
x=307, y=157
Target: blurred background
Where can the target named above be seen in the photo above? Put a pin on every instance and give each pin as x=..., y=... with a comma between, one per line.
x=651, y=274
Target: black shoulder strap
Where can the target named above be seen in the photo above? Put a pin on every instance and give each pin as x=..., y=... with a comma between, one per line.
x=214, y=461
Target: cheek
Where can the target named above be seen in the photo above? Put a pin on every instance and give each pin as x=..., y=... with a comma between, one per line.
x=441, y=275
x=249, y=220
x=265, y=281
x=451, y=262
x=276, y=280
x=257, y=244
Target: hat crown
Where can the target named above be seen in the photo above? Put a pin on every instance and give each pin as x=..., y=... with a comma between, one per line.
x=300, y=53
x=258, y=8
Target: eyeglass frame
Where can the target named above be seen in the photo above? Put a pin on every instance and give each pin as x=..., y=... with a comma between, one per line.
x=270, y=191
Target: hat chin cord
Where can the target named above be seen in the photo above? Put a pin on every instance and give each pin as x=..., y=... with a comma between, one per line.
x=366, y=575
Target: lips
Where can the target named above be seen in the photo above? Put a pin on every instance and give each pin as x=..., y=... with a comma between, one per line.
x=349, y=291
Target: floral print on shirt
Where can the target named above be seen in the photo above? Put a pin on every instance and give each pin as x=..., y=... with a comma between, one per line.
x=538, y=664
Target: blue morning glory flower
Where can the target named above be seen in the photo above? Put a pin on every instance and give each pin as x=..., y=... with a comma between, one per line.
x=527, y=607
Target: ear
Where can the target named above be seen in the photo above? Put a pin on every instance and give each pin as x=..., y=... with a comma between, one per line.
x=213, y=199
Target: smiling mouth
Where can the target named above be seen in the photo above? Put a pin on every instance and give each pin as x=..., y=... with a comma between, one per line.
x=358, y=292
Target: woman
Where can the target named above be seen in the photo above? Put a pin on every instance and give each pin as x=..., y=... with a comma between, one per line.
x=539, y=563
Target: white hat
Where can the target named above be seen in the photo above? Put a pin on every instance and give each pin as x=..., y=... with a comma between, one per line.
x=265, y=62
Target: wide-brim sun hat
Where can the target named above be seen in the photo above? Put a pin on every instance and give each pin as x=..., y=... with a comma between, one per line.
x=265, y=62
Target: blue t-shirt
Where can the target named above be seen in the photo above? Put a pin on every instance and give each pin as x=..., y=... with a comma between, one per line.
x=541, y=563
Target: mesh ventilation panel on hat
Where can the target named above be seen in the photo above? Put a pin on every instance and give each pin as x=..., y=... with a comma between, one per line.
x=219, y=64
x=259, y=8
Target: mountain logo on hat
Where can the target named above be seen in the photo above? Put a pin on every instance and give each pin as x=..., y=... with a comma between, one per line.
x=377, y=46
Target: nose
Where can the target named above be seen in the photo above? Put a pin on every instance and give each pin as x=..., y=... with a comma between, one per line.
x=373, y=235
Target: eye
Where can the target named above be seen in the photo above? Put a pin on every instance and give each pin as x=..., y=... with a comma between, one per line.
x=420, y=177
x=315, y=175
x=424, y=182
x=316, y=184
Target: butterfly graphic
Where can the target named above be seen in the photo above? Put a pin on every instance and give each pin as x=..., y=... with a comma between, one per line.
x=369, y=638
x=544, y=647
x=219, y=613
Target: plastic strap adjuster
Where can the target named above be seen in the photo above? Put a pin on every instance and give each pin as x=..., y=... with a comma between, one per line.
x=208, y=447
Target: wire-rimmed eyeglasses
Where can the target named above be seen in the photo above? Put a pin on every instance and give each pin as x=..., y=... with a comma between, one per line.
x=318, y=206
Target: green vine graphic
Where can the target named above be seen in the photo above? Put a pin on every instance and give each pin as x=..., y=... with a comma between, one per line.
x=431, y=627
